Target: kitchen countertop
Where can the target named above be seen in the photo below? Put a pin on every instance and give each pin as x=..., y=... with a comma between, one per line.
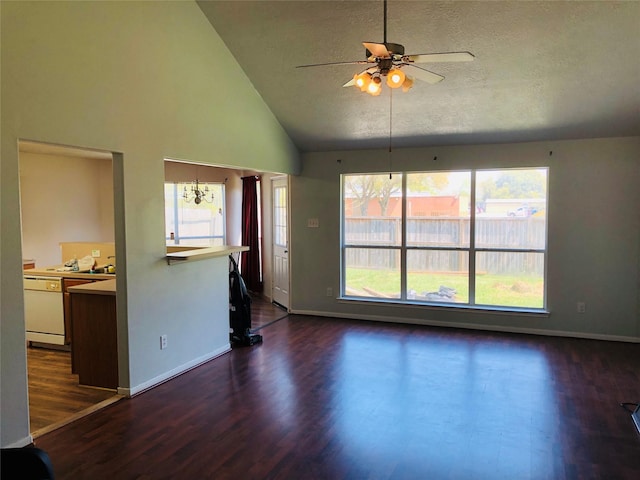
x=107, y=287
x=52, y=272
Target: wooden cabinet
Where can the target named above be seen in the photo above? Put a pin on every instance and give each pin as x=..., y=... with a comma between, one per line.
x=66, y=283
x=66, y=300
x=95, y=345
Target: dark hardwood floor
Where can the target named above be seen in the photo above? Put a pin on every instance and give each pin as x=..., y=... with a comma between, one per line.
x=264, y=313
x=338, y=399
x=55, y=398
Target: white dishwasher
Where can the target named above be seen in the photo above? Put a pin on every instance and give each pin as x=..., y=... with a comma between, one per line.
x=44, y=309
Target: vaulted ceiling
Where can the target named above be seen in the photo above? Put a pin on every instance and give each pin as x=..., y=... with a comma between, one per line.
x=542, y=70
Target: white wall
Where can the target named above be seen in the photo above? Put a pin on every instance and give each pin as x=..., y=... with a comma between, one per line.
x=593, y=231
x=143, y=80
x=63, y=199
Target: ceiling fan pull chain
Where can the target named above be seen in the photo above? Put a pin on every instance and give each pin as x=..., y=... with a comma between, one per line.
x=390, y=127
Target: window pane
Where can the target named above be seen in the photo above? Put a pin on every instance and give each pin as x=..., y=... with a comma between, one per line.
x=189, y=223
x=170, y=202
x=510, y=279
x=438, y=276
x=511, y=206
x=372, y=272
x=372, y=209
x=438, y=209
x=280, y=216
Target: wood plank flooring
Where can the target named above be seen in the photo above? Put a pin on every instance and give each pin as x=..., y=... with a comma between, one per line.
x=264, y=313
x=339, y=399
x=55, y=397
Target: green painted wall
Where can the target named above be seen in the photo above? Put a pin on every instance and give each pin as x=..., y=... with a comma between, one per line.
x=148, y=80
x=593, y=234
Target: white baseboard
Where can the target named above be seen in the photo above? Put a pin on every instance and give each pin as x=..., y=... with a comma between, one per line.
x=23, y=442
x=471, y=326
x=138, y=389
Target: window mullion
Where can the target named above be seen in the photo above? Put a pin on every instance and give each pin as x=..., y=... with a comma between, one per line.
x=343, y=240
x=403, y=243
x=472, y=240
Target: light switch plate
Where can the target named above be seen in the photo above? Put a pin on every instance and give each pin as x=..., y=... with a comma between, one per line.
x=95, y=253
x=313, y=223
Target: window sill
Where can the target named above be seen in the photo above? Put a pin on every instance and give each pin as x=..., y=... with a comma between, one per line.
x=527, y=312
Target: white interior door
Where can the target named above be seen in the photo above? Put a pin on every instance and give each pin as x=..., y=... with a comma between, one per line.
x=280, y=231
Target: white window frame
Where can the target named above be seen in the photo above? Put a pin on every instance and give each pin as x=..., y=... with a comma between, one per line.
x=472, y=250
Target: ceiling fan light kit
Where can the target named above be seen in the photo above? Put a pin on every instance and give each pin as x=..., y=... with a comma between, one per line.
x=407, y=84
x=375, y=87
x=395, y=78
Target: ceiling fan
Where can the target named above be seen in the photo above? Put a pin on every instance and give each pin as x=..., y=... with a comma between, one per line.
x=388, y=60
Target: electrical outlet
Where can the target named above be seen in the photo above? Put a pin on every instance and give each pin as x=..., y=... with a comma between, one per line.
x=95, y=253
x=329, y=292
x=163, y=342
x=582, y=307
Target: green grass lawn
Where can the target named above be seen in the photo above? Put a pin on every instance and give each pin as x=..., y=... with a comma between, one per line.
x=504, y=290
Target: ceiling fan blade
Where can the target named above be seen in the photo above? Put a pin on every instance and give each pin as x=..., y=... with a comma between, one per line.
x=441, y=57
x=355, y=62
x=424, y=75
x=377, y=49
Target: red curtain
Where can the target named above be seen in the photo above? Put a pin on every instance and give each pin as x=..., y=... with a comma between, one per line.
x=250, y=261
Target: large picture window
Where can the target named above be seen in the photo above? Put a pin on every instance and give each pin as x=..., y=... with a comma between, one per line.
x=473, y=238
x=191, y=223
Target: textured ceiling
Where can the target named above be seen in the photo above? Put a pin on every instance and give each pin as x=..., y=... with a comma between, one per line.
x=543, y=70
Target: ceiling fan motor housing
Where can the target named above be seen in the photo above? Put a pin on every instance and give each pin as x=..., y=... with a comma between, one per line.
x=384, y=65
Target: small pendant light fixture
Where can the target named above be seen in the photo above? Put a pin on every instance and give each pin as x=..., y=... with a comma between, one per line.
x=197, y=194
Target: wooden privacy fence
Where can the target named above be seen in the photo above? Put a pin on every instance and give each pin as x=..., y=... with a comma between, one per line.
x=501, y=233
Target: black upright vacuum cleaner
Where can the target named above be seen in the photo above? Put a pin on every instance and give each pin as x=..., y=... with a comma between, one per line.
x=239, y=310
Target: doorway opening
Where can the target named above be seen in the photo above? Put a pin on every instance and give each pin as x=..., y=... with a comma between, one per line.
x=68, y=213
x=280, y=240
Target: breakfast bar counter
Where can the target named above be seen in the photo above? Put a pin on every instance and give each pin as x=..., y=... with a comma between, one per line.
x=177, y=254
